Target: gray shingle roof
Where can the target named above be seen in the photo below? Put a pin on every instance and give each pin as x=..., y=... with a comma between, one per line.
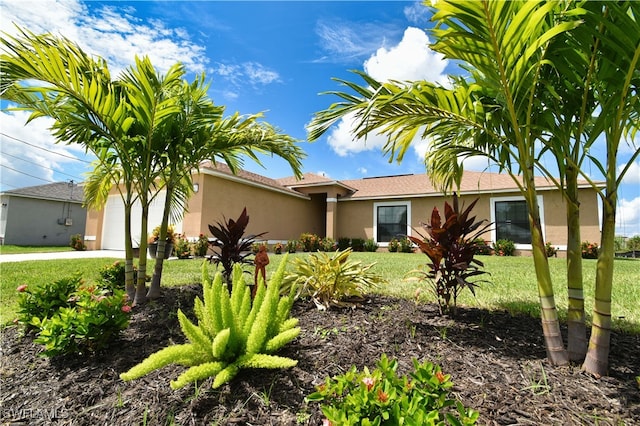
x=59, y=191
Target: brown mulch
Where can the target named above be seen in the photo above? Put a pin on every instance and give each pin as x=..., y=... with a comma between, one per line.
x=497, y=362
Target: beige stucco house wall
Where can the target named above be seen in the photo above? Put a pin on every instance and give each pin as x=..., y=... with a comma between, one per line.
x=287, y=207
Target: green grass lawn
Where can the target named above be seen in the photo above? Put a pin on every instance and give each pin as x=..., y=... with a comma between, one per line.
x=512, y=283
x=8, y=249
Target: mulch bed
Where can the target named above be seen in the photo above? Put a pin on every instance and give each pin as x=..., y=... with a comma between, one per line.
x=497, y=362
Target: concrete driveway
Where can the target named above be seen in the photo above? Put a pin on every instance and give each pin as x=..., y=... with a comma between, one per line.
x=117, y=254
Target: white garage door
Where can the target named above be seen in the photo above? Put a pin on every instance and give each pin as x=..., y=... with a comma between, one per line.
x=113, y=229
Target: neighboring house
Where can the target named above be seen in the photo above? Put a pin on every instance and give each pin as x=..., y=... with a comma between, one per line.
x=43, y=215
x=377, y=207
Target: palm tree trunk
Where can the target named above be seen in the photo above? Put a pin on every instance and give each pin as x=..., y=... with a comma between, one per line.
x=129, y=280
x=141, y=287
x=577, y=329
x=597, y=360
x=154, y=288
x=556, y=352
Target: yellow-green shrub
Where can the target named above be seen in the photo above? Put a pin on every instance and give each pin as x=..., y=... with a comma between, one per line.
x=231, y=332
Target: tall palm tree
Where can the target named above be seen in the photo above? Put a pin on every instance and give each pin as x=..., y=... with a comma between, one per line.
x=476, y=117
x=200, y=133
x=616, y=91
x=493, y=112
x=153, y=106
x=147, y=130
x=52, y=77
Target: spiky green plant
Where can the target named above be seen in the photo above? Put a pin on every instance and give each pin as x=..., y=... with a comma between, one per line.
x=332, y=280
x=231, y=332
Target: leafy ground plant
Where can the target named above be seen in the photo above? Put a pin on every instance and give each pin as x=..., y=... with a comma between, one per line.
x=451, y=246
x=72, y=317
x=332, y=280
x=381, y=397
x=231, y=333
x=504, y=248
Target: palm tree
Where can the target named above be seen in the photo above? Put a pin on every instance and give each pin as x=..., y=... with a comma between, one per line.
x=147, y=130
x=493, y=112
x=200, y=133
x=617, y=76
x=501, y=113
x=53, y=77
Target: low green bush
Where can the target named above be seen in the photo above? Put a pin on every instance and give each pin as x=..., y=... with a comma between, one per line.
x=310, y=242
x=504, y=248
x=357, y=244
x=182, y=248
x=406, y=246
x=344, y=243
x=381, y=397
x=45, y=300
x=292, y=246
x=111, y=277
x=589, y=250
x=231, y=332
x=394, y=246
x=71, y=317
x=328, y=244
x=482, y=247
x=77, y=243
x=331, y=280
x=201, y=246
x=370, y=245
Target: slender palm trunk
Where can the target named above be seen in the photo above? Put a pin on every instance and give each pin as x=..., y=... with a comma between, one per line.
x=154, y=288
x=129, y=277
x=141, y=287
x=556, y=352
x=597, y=360
x=577, y=329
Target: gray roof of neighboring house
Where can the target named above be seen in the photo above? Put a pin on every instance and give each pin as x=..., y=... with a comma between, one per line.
x=59, y=191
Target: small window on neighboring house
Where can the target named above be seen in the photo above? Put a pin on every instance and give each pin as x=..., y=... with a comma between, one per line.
x=391, y=220
x=510, y=217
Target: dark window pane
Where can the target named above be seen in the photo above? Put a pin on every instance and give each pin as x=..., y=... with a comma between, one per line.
x=512, y=221
x=392, y=221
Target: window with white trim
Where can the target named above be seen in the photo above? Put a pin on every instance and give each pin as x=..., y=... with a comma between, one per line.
x=510, y=217
x=390, y=220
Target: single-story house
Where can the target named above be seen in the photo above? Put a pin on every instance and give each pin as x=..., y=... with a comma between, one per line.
x=43, y=215
x=376, y=207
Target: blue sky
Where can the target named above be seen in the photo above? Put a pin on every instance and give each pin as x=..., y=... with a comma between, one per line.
x=271, y=57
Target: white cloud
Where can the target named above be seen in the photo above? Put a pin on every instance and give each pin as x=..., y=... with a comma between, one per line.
x=411, y=59
x=632, y=177
x=417, y=13
x=343, y=143
x=343, y=41
x=110, y=32
x=362, y=170
x=238, y=75
x=628, y=217
x=30, y=154
x=257, y=73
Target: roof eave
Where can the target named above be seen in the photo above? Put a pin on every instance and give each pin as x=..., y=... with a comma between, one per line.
x=244, y=181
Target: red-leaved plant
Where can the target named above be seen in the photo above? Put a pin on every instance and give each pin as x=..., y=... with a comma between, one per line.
x=231, y=245
x=451, y=246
